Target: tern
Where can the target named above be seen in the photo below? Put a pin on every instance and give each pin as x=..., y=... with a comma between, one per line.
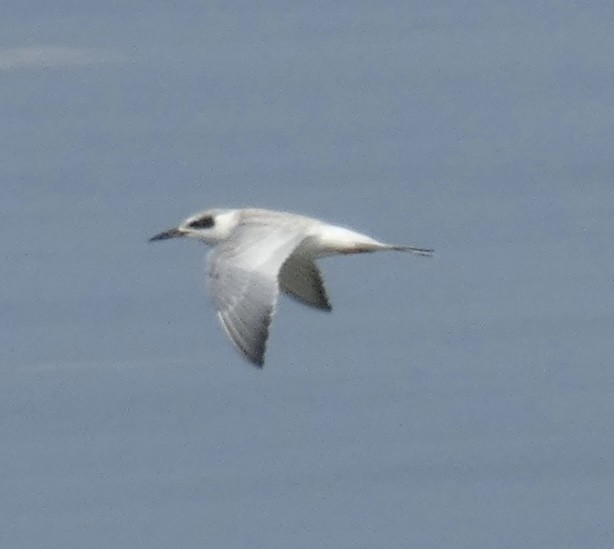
x=256, y=253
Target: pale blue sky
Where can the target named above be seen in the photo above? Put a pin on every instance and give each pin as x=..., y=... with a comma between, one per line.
x=463, y=401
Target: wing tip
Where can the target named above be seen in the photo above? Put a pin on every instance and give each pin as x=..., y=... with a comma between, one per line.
x=256, y=362
x=254, y=354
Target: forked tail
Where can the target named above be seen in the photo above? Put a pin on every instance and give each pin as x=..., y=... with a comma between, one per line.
x=379, y=246
x=413, y=250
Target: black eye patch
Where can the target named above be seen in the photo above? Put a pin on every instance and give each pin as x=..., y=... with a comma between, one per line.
x=202, y=223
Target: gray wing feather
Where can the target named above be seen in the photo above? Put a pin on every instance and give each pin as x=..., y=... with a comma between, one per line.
x=300, y=278
x=243, y=283
x=245, y=302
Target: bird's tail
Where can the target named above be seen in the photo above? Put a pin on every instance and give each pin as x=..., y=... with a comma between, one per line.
x=413, y=250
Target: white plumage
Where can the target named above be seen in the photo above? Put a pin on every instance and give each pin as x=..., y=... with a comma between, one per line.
x=255, y=253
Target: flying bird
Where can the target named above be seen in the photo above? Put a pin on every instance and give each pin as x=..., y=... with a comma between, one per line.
x=255, y=253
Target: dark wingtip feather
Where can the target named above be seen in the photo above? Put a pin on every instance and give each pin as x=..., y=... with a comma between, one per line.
x=255, y=356
x=258, y=361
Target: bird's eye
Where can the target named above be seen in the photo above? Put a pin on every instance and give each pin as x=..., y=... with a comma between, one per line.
x=202, y=223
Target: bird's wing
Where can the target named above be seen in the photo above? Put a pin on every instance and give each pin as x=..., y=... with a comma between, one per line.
x=300, y=278
x=243, y=283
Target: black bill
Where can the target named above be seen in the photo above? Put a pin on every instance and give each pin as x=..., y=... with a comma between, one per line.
x=171, y=233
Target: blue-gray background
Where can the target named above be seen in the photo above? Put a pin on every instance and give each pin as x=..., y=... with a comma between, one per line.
x=462, y=401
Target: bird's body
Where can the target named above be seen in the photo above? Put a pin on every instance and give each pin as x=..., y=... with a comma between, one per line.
x=255, y=253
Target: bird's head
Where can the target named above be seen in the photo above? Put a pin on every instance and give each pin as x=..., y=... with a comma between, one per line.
x=210, y=226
